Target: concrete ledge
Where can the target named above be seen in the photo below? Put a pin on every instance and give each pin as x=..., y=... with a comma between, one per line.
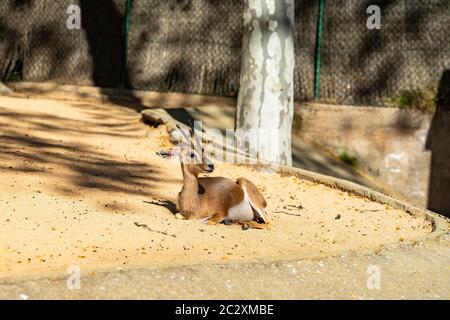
x=131, y=98
x=340, y=277
x=387, y=144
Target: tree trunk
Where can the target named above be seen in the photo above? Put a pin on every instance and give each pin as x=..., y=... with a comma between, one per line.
x=265, y=102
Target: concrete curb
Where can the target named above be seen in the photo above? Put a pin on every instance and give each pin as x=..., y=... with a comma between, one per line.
x=137, y=99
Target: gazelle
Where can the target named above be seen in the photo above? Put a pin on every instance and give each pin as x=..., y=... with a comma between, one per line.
x=214, y=199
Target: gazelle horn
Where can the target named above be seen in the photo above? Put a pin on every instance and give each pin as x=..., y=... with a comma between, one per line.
x=197, y=140
x=187, y=137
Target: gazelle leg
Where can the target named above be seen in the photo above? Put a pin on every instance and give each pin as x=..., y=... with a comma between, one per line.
x=215, y=219
x=255, y=225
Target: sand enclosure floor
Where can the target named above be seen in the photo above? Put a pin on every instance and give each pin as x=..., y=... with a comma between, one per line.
x=81, y=185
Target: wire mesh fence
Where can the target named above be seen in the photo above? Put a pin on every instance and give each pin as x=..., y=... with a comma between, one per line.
x=194, y=46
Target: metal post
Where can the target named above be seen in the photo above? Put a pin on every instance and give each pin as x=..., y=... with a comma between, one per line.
x=129, y=6
x=318, y=50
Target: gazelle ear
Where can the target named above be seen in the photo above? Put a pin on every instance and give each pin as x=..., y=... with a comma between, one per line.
x=168, y=153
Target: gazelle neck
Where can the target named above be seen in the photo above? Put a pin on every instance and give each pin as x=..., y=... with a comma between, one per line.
x=189, y=193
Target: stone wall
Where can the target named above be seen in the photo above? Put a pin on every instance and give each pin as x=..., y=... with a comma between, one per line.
x=394, y=146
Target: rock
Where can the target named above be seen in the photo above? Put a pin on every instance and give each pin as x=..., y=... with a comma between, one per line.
x=154, y=117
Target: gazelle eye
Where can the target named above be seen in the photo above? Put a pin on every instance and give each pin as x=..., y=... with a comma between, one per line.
x=192, y=155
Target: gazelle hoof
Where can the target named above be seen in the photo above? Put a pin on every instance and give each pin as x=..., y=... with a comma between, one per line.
x=180, y=216
x=227, y=221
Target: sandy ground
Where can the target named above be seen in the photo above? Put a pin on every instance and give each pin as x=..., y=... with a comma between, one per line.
x=81, y=185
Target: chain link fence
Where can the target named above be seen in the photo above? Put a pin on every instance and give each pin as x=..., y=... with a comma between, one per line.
x=194, y=46
x=412, y=49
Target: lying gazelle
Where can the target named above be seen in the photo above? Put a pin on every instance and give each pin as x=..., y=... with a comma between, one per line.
x=214, y=199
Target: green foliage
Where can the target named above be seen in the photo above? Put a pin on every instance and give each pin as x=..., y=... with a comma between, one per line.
x=347, y=158
x=14, y=77
x=416, y=99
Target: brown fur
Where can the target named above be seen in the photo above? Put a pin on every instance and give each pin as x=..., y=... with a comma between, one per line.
x=257, y=200
x=220, y=194
x=211, y=197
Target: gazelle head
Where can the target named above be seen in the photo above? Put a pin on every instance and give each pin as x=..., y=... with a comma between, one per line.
x=191, y=155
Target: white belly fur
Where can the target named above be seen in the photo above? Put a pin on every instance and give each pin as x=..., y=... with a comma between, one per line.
x=241, y=212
